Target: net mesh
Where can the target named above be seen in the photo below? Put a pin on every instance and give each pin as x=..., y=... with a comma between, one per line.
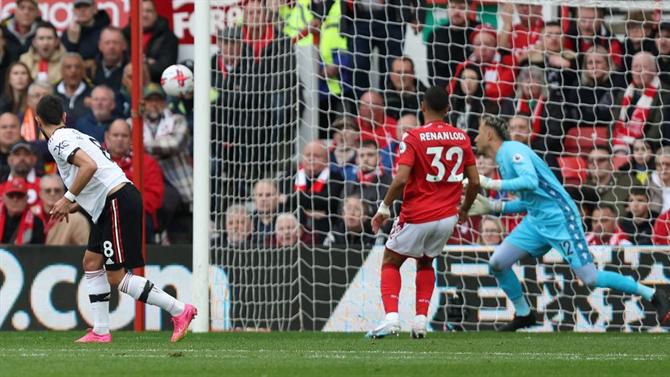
x=312, y=98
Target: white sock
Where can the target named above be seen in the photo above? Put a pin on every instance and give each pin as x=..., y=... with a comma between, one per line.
x=392, y=317
x=142, y=289
x=98, y=294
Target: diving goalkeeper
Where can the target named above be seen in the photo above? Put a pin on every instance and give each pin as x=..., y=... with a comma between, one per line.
x=553, y=221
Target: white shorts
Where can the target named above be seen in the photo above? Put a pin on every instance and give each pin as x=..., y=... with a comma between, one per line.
x=418, y=240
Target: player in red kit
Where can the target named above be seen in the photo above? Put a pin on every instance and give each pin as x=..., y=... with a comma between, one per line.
x=433, y=161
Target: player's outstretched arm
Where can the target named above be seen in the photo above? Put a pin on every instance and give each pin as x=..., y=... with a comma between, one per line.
x=485, y=206
x=394, y=192
x=526, y=176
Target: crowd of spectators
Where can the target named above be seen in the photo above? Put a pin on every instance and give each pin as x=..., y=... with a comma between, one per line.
x=592, y=102
x=87, y=66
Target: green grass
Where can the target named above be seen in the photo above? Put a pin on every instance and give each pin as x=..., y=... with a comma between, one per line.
x=325, y=354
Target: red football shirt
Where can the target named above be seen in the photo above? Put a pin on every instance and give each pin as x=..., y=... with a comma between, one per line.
x=438, y=154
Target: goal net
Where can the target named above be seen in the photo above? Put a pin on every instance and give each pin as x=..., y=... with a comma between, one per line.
x=310, y=100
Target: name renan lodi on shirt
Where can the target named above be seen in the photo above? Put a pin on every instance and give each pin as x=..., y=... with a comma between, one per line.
x=444, y=135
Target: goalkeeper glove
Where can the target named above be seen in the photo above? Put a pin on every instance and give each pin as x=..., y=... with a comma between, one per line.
x=490, y=184
x=483, y=206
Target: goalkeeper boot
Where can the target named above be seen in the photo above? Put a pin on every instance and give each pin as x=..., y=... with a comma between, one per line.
x=386, y=328
x=92, y=337
x=419, y=327
x=520, y=322
x=662, y=305
x=182, y=321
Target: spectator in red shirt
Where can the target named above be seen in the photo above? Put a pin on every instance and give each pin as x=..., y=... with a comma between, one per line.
x=373, y=123
x=587, y=29
x=523, y=35
x=643, y=111
x=496, y=66
x=605, y=230
x=18, y=224
x=118, y=142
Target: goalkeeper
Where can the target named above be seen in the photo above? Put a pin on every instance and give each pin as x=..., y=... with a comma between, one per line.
x=553, y=221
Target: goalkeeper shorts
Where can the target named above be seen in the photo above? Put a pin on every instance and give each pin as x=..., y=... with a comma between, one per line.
x=419, y=240
x=566, y=237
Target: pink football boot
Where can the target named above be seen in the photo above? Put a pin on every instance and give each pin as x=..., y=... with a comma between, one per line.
x=92, y=337
x=182, y=321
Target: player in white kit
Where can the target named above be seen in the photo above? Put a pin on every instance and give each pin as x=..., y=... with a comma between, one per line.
x=98, y=186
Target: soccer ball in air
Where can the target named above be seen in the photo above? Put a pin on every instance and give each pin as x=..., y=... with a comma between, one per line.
x=177, y=80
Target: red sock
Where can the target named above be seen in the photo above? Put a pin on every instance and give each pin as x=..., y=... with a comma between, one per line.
x=425, y=283
x=390, y=287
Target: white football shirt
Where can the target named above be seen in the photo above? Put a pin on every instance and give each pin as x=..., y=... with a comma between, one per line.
x=62, y=145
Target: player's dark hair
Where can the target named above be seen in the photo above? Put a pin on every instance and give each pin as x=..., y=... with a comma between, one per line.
x=498, y=124
x=436, y=99
x=50, y=109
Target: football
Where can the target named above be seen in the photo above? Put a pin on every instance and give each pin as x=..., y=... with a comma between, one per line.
x=177, y=80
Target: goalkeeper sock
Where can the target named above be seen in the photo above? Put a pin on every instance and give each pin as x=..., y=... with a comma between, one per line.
x=98, y=294
x=425, y=283
x=143, y=290
x=509, y=283
x=390, y=287
x=608, y=279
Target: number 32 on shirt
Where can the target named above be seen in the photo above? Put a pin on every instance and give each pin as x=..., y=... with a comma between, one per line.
x=453, y=153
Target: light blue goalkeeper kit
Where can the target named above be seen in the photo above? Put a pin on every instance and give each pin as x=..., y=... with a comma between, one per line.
x=553, y=221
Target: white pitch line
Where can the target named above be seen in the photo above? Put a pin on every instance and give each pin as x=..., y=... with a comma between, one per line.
x=332, y=354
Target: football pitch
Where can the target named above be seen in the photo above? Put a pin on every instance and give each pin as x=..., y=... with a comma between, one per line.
x=329, y=354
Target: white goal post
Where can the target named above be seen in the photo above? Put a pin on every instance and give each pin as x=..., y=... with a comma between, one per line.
x=201, y=171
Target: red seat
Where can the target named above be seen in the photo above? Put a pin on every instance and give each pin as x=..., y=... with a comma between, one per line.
x=583, y=139
x=573, y=169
